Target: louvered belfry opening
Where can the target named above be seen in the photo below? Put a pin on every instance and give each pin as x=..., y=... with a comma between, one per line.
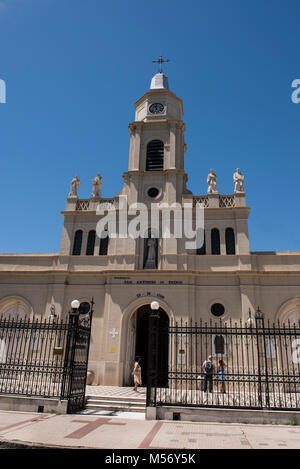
x=155, y=156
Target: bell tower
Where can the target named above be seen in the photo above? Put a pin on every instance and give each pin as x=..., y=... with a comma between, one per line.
x=158, y=116
x=157, y=146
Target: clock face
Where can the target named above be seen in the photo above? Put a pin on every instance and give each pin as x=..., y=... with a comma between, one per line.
x=156, y=108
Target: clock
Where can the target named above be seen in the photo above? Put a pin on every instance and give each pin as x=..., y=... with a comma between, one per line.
x=156, y=108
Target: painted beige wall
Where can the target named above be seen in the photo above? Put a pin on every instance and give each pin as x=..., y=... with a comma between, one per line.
x=269, y=281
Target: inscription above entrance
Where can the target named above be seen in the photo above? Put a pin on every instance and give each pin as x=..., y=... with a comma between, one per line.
x=128, y=281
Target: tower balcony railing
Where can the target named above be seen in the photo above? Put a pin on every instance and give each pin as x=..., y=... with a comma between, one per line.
x=226, y=201
x=208, y=201
x=84, y=205
x=220, y=200
x=201, y=199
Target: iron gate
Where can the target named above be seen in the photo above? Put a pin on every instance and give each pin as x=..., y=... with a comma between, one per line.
x=255, y=365
x=76, y=360
x=46, y=358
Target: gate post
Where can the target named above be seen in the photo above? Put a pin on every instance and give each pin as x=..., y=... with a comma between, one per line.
x=152, y=355
x=262, y=352
x=76, y=358
x=69, y=355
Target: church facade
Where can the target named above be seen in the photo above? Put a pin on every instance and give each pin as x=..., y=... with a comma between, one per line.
x=218, y=279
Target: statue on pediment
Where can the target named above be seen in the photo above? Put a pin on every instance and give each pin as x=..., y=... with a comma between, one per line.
x=75, y=183
x=238, y=179
x=97, y=186
x=212, y=183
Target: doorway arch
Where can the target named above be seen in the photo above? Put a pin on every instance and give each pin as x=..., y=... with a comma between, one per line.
x=135, y=339
x=289, y=311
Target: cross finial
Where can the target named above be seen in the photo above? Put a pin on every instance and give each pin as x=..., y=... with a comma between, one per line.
x=160, y=61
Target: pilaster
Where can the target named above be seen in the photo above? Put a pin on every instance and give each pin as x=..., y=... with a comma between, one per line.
x=213, y=200
x=240, y=199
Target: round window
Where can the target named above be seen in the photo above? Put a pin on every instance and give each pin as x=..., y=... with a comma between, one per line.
x=84, y=307
x=153, y=192
x=217, y=309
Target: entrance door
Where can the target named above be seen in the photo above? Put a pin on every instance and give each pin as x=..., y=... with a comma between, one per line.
x=141, y=348
x=130, y=353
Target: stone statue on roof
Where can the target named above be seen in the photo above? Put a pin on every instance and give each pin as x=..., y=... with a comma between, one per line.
x=212, y=183
x=238, y=179
x=75, y=183
x=97, y=185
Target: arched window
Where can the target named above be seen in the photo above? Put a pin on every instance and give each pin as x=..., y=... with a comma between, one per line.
x=219, y=345
x=103, y=249
x=15, y=309
x=230, y=241
x=202, y=250
x=155, y=156
x=91, y=243
x=77, y=243
x=13, y=345
x=215, y=241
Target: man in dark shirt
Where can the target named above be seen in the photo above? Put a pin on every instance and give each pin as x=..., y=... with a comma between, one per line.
x=208, y=369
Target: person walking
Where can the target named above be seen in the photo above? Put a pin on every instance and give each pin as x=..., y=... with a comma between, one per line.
x=221, y=375
x=208, y=369
x=137, y=373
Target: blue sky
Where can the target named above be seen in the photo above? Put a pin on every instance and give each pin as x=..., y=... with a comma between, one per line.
x=74, y=68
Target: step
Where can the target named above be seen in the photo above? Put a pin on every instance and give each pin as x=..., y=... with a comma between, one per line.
x=123, y=408
x=119, y=399
x=115, y=403
x=115, y=406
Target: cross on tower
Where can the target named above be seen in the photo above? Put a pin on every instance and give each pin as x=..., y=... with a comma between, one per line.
x=160, y=61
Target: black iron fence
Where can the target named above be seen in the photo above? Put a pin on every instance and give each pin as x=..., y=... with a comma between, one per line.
x=254, y=365
x=45, y=357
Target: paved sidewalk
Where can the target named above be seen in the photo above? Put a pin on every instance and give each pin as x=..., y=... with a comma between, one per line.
x=121, y=432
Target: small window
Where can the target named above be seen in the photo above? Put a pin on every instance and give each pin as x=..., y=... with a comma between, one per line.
x=219, y=345
x=153, y=192
x=202, y=250
x=77, y=243
x=84, y=307
x=215, y=241
x=91, y=243
x=217, y=309
x=103, y=250
x=230, y=241
x=155, y=156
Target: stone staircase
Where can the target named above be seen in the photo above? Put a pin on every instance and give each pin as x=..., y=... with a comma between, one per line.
x=114, y=400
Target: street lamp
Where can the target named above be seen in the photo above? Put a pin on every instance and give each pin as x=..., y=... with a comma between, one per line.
x=154, y=309
x=75, y=306
x=250, y=321
x=155, y=305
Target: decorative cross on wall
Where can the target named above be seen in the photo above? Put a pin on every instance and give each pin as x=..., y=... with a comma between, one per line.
x=114, y=333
